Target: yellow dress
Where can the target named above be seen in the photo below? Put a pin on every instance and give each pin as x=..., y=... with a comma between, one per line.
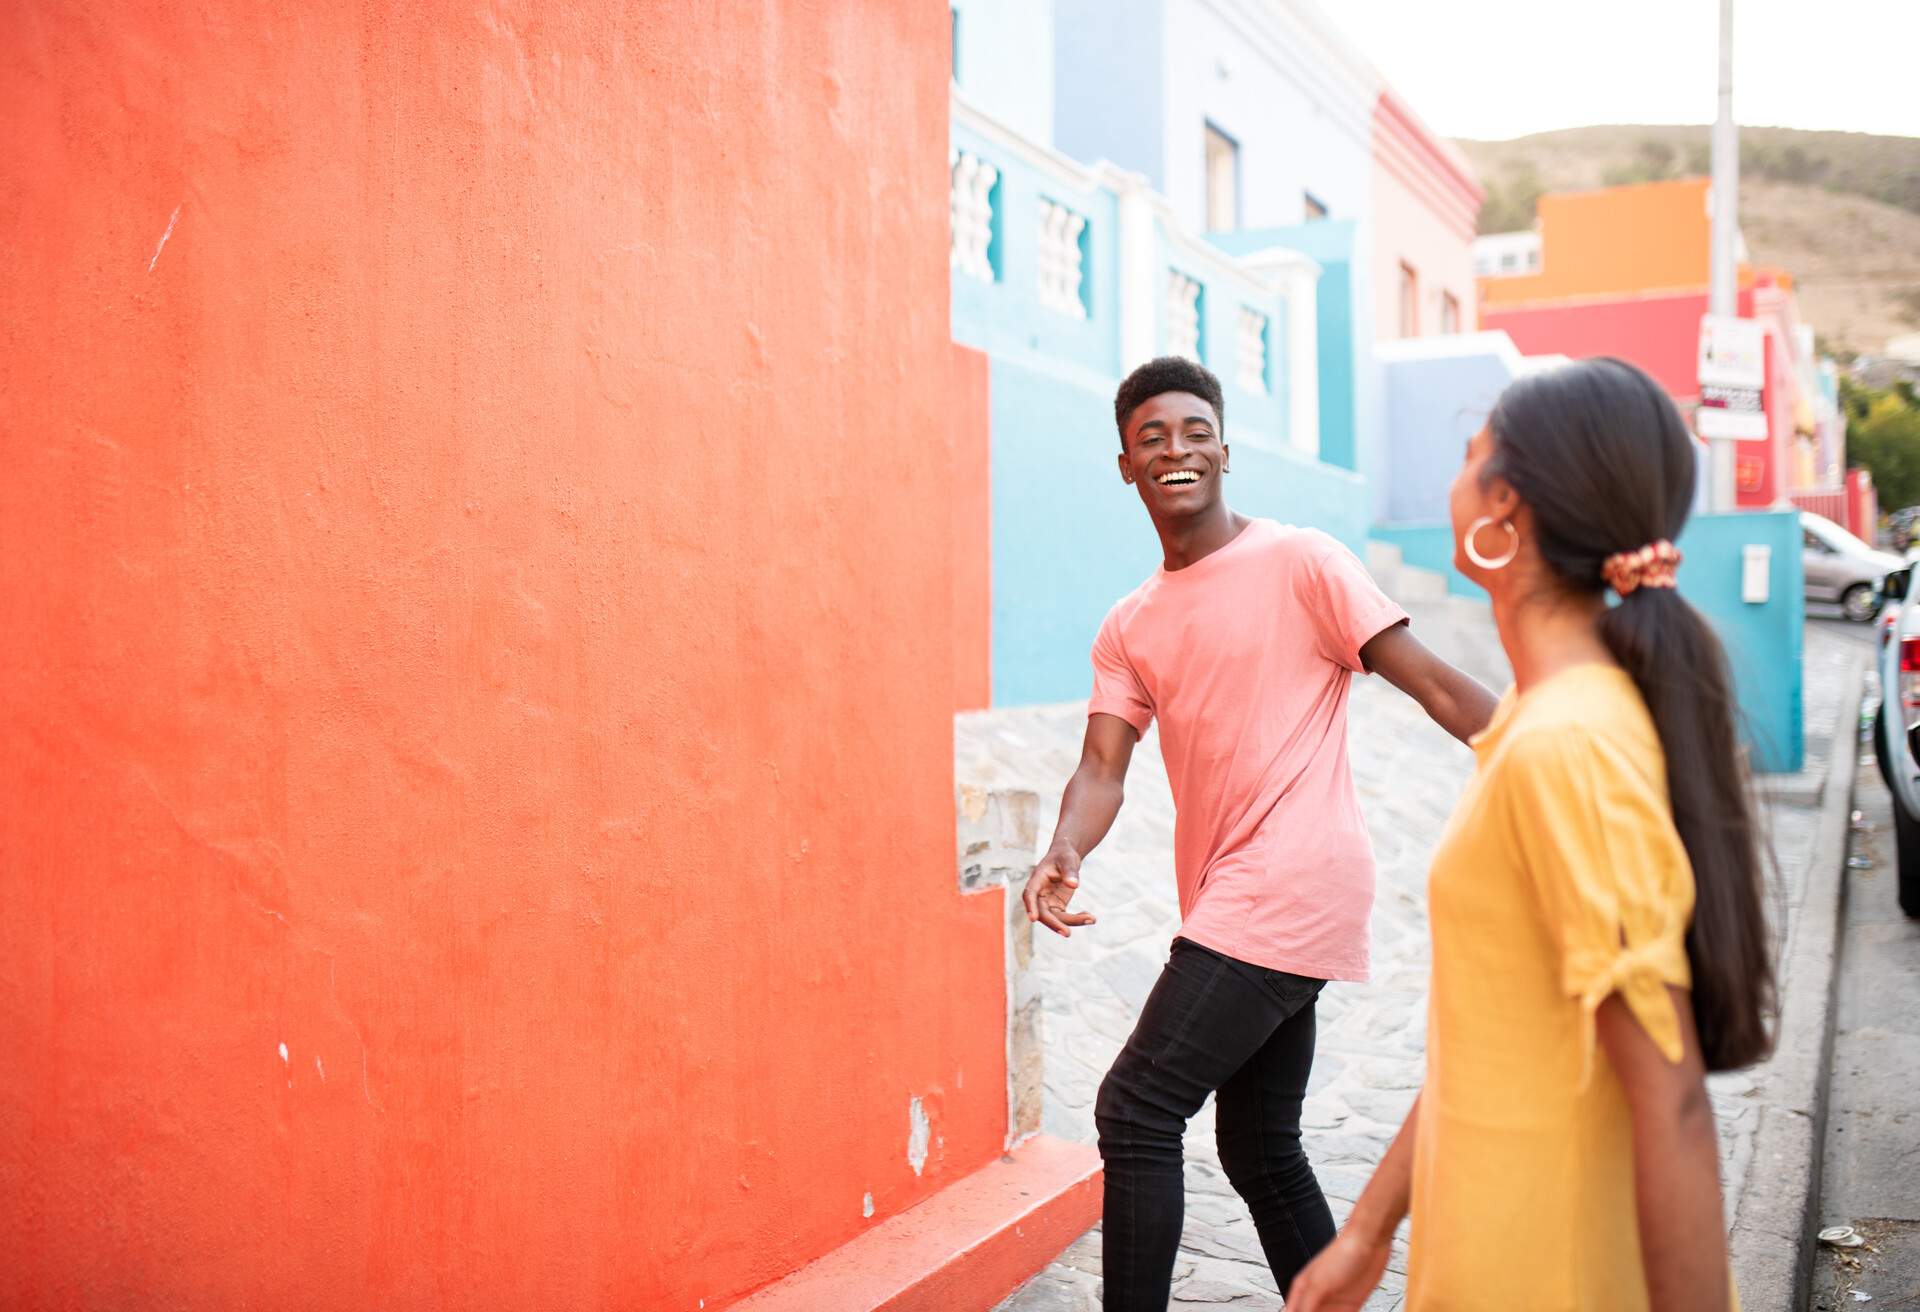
x=1559, y=880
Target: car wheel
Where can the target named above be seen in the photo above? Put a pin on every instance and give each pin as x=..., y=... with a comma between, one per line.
x=1906, y=844
x=1860, y=602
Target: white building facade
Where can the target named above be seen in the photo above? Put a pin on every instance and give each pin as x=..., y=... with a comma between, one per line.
x=1245, y=114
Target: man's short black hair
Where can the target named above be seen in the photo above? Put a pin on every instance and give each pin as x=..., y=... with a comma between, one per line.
x=1169, y=373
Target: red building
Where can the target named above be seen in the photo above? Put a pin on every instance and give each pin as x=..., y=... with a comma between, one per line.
x=477, y=662
x=1623, y=271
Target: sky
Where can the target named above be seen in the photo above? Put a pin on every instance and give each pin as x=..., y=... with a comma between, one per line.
x=1513, y=67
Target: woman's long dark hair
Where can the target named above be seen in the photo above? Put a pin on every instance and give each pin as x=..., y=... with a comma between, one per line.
x=1602, y=458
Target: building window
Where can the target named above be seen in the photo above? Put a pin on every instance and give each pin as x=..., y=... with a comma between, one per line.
x=1533, y=259
x=1315, y=210
x=953, y=38
x=1509, y=261
x=1449, y=313
x=1223, y=181
x=1409, y=301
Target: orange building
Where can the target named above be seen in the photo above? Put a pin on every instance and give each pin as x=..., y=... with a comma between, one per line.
x=479, y=821
x=1624, y=271
x=1643, y=241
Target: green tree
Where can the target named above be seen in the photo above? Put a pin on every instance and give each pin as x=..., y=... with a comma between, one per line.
x=1796, y=165
x=1656, y=157
x=1512, y=199
x=1653, y=161
x=1883, y=437
x=1825, y=347
x=1855, y=400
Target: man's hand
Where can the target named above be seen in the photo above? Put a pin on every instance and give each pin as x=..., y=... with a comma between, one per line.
x=1456, y=702
x=1087, y=809
x=1051, y=886
x=1342, y=1276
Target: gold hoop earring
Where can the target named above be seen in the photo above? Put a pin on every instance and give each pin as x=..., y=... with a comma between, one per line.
x=1488, y=562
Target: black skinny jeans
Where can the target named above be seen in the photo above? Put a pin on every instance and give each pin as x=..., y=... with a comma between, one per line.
x=1211, y=1023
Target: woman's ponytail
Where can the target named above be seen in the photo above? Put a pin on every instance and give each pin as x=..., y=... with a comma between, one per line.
x=1681, y=671
x=1601, y=457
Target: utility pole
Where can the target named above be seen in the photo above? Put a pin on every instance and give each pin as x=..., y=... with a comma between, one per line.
x=1723, y=295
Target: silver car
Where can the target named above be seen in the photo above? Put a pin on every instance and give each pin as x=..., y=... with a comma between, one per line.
x=1898, y=725
x=1842, y=569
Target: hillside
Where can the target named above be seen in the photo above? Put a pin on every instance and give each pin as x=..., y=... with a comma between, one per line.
x=1841, y=210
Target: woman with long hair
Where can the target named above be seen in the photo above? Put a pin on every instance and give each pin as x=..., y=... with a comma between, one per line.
x=1596, y=901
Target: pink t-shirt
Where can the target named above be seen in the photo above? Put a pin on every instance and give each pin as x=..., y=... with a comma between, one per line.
x=1247, y=656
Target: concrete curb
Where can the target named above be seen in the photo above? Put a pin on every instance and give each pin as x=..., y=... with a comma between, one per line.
x=962, y=1250
x=1772, y=1232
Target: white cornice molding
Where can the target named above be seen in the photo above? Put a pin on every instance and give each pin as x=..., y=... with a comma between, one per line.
x=1455, y=346
x=1405, y=149
x=1274, y=268
x=1438, y=193
x=1492, y=342
x=1283, y=262
x=1393, y=113
x=1028, y=151
x=1289, y=33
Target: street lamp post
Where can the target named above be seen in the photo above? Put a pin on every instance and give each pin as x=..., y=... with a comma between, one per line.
x=1723, y=298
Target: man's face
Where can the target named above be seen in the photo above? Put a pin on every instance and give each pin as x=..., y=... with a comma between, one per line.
x=1174, y=454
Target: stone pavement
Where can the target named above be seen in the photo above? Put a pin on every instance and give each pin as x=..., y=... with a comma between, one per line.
x=1369, y=1066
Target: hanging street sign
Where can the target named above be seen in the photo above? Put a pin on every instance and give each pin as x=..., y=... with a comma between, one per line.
x=1733, y=379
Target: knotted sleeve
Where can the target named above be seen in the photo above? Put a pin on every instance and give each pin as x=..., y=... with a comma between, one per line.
x=1611, y=878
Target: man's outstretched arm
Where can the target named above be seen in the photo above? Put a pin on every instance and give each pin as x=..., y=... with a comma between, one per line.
x=1457, y=702
x=1087, y=810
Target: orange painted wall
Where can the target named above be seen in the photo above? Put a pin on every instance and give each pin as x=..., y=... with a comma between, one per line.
x=971, y=422
x=1646, y=239
x=478, y=761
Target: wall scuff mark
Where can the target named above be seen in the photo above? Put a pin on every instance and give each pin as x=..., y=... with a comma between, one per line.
x=163, y=238
x=917, y=1136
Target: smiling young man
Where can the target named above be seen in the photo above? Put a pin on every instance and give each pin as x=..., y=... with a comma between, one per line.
x=1243, y=644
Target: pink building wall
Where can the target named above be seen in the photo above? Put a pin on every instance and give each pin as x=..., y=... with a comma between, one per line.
x=1661, y=334
x=1425, y=202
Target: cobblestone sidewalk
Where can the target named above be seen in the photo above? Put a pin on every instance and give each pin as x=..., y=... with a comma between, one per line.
x=1369, y=1066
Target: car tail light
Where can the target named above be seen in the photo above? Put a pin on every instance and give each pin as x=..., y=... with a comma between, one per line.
x=1910, y=679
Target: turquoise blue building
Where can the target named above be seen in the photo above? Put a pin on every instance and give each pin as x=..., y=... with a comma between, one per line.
x=1069, y=272
x=1066, y=277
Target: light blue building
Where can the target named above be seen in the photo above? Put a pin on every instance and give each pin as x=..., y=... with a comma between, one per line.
x=1066, y=277
x=1343, y=325
x=1433, y=394
x=1076, y=255
x=1245, y=116
x=1003, y=59
x=1437, y=392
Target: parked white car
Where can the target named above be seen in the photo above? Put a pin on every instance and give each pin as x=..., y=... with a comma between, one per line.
x=1842, y=569
x=1898, y=726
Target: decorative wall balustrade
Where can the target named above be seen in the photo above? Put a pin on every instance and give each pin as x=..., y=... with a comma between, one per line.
x=972, y=188
x=1087, y=270
x=1062, y=260
x=1184, y=304
x=1251, y=354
